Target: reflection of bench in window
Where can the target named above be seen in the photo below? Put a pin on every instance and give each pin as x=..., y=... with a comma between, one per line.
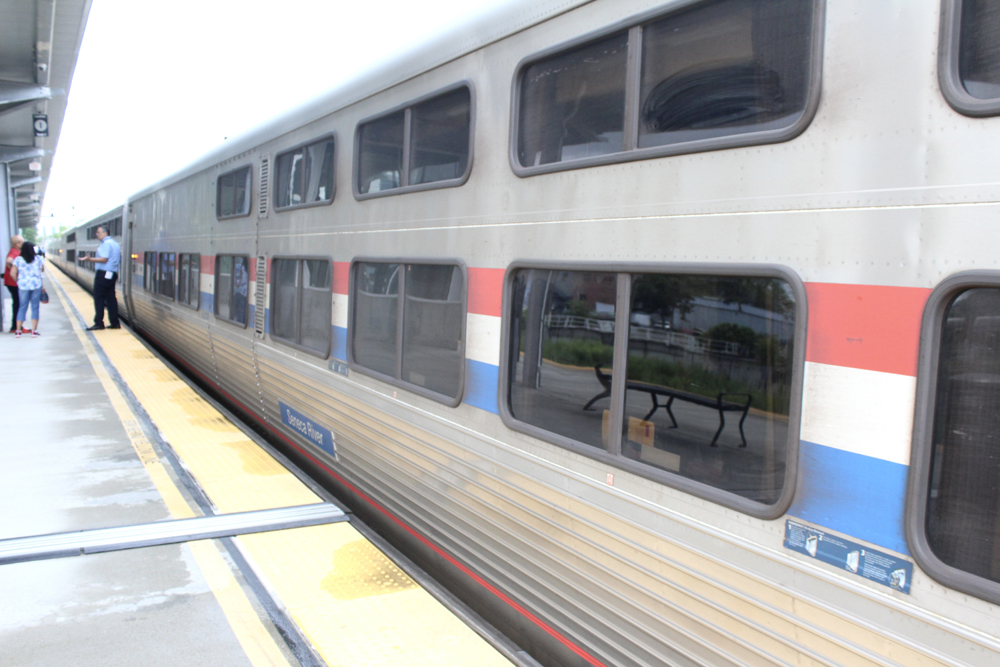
x=656, y=390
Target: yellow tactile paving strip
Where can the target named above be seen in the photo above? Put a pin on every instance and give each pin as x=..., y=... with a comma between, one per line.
x=353, y=605
x=356, y=607
x=235, y=473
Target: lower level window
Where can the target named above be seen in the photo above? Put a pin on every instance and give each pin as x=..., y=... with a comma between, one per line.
x=705, y=388
x=963, y=498
x=416, y=340
x=301, y=302
x=149, y=271
x=189, y=279
x=232, y=287
x=168, y=261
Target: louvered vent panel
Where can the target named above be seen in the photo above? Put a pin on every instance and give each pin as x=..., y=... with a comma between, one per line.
x=260, y=302
x=265, y=173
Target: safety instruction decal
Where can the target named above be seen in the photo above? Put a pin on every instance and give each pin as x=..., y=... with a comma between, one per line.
x=876, y=566
x=308, y=429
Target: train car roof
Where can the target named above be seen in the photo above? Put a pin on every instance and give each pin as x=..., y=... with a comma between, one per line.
x=455, y=42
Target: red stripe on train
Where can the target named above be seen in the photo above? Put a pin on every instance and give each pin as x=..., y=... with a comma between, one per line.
x=208, y=265
x=870, y=327
x=341, y=277
x=485, y=291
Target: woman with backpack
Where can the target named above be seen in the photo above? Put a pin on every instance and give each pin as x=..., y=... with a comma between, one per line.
x=27, y=270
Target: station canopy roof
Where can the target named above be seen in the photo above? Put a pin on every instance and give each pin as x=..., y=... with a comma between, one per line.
x=39, y=44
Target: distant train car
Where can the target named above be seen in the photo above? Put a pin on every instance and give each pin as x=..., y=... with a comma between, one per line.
x=663, y=332
x=67, y=251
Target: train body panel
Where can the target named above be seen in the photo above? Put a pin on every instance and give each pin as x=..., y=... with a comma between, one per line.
x=884, y=194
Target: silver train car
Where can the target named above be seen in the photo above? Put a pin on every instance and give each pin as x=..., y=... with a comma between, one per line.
x=665, y=333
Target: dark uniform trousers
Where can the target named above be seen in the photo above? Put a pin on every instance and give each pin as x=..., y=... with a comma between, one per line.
x=104, y=296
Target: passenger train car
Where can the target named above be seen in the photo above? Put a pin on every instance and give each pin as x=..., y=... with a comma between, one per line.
x=663, y=332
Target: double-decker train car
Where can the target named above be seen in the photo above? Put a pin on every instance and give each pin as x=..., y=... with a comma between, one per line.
x=662, y=332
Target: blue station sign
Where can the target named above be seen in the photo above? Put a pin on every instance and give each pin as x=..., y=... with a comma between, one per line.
x=318, y=435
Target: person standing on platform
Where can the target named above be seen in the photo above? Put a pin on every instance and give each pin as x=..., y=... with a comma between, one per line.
x=107, y=260
x=27, y=271
x=9, y=282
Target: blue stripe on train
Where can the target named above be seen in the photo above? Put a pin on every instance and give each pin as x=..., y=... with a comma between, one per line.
x=339, y=349
x=207, y=301
x=481, y=385
x=857, y=495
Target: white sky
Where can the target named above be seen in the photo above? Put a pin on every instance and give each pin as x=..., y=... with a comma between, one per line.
x=158, y=84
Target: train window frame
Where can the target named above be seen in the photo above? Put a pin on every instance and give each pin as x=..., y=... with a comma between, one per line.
x=161, y=281
x=631, y=151
x=232, y=286
x=949, y=79
x=299, y=259
x=618, y=461
x=918, y=478
x=407, y=146
x=249, y=196
x=180, y=263
x=449, y=401
x=332, y=136
x=149, y=280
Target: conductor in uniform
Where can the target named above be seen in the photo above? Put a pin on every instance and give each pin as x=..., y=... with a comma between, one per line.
x=106, y=261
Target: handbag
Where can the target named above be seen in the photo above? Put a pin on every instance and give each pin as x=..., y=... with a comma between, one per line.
x=45, y=296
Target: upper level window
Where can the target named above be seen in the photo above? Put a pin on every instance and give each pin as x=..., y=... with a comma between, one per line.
x=969, y=56
x=716, y=74
x=233, y=194
x=301, y=303
x=426, y=144
x=305, y=175
x=189, y=279
x=232, y=287
x=417, y=340
x=954, y=520
x=71, y=238
x=695, y=389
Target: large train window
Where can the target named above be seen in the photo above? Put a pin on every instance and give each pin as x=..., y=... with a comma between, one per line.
x=690, y=378
x=709, y=75
x=424, y=144
x=418, y=341
x=189, y=280
x=232, y=194
x=302, y=303
x=969, y=56
x=167, y=265
x=305, y=175
x=953, y=508
x=232, y=287
x=149, y=271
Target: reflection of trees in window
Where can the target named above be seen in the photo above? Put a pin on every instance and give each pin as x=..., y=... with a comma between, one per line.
x=709, y=402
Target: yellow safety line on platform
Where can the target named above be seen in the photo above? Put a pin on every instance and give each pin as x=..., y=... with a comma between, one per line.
x=356, y=607
x=256, y=642
x=352, y=603
x=235, y=473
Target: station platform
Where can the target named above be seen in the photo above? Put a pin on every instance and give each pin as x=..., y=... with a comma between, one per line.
x=141, y=525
